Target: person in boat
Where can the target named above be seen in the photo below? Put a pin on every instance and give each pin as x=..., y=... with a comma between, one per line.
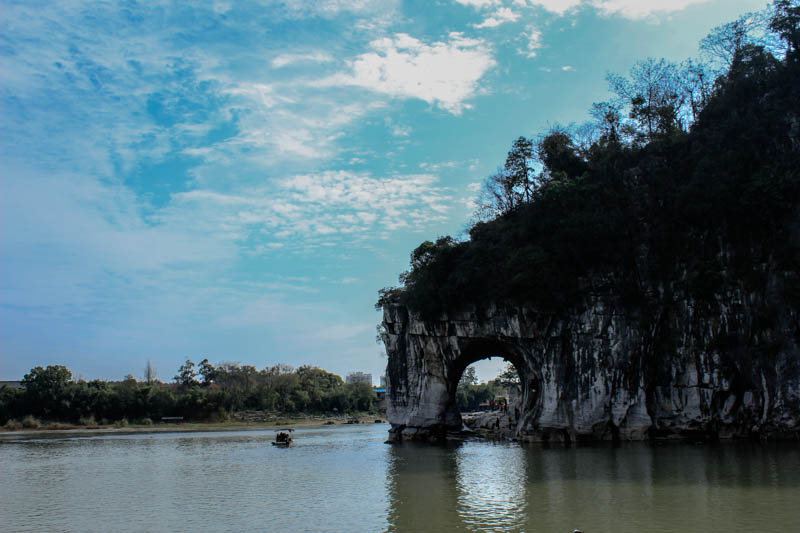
x=283, y=437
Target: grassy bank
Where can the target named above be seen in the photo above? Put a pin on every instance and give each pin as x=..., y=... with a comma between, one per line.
x=308, y=421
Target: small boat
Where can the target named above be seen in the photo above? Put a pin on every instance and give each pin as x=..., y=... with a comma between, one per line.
x=283, y=438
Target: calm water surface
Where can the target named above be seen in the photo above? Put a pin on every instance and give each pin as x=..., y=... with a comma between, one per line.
x=345, y=479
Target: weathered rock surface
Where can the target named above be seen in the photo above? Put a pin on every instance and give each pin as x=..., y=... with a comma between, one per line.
x=725, y=368
x=497, y=424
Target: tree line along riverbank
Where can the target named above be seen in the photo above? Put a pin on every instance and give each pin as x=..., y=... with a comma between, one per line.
x=50, y=397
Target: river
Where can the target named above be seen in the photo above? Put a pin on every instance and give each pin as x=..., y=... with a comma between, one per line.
x=343, y=478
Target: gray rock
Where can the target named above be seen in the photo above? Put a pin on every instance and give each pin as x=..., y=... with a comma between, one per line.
x=684, y=369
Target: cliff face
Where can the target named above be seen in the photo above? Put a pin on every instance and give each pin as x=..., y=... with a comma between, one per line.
x=724, y=367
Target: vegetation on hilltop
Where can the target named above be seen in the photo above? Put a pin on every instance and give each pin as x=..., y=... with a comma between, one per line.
x=688, y=178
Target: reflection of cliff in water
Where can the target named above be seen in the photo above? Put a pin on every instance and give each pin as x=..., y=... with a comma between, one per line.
x=501, y=487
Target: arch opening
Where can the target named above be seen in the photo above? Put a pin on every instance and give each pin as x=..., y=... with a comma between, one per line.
x=508, y=404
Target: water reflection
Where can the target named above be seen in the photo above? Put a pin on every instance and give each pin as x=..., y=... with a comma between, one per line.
x=491, y=486
x=462, y=486
x=421, y=488
x=478, y=486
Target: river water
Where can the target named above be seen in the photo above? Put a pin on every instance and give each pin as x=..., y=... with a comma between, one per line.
x=343, y=478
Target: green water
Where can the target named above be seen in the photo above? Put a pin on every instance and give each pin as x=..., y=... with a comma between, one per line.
x=346, y=479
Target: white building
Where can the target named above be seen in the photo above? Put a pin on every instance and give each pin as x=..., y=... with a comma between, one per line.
x=359, y=377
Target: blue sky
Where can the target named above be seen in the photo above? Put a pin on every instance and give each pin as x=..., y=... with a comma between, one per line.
x=236, y=180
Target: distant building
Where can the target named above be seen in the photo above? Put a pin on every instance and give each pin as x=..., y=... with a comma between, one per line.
x=383, y=382
x=359, y=377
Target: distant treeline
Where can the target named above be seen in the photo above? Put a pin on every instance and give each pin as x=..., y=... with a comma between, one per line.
x=472, y=396
x=202, y=392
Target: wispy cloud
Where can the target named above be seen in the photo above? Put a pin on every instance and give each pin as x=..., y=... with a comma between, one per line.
x=401, y=131
x=436, y=167
x=501, y=16
x=397, y=130
x=289, y=59
x=478, y=4
x=288, y=121
x=633, y=9
x=638, y=9
x=534, y=41
x=309, y=208
x=555, y=6
x=333, y=8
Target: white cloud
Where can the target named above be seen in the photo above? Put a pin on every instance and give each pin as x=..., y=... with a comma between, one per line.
x=534, y=41
x=332, y=8
x=478, y=4
x=497, y=18
x=633, y=9
x=306, y=207
x=441, y=73
x=436, y=167
x=638, y=9
x=555, y=6
x=567, y=68
x=397, y=130
x=288, y=121
x=401, y=131
x=288, y=59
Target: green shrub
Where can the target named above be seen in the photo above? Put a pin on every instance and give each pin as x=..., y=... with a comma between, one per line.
x=29, y=422
x=121, y=423
x=146, y=421
x=219, y=416
x=13, y=425
x=87, y=421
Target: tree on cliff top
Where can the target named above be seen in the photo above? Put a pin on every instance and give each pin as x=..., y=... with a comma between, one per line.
x=679, y=172
x=513, y=185
x=786, y=23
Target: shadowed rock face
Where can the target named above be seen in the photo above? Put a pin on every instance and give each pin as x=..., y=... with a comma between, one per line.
x=687, y=369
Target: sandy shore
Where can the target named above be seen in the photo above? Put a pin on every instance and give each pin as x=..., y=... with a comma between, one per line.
x=181, y=427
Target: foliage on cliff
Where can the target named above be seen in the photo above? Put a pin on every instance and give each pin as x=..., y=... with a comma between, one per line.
x=680, y=182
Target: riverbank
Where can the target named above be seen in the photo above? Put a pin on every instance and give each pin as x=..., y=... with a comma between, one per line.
x=188, y=427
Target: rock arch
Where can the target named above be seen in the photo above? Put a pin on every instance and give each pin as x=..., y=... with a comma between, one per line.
x=427, y=359
x=595, y=374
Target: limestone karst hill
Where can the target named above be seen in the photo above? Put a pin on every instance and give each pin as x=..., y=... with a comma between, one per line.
x=642, y=278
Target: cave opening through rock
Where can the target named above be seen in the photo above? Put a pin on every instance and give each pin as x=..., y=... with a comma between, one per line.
x=501, y=406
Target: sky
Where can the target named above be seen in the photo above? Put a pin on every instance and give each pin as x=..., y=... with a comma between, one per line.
x=236, y=180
